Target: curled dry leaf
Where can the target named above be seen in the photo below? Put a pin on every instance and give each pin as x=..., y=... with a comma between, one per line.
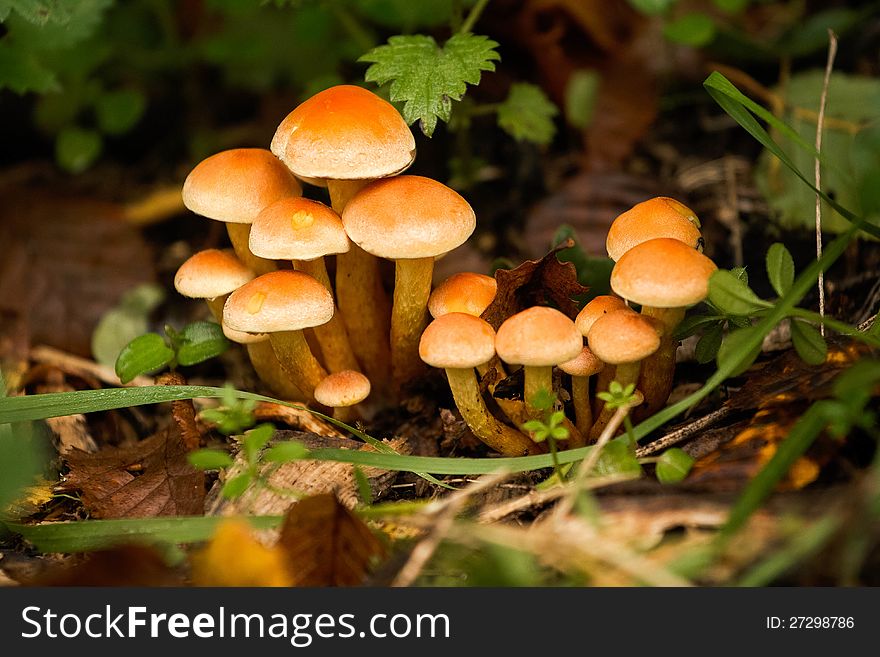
x=326, y=544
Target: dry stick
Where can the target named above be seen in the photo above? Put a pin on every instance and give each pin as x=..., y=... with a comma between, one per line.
x=683, y=433
x=820, y=124
x=445, y=515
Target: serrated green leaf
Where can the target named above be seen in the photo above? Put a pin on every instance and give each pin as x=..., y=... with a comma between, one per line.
x=146, y=353
x=199, y=341
x=693, y=30
x=38, y=12
x=527, y=114
x=427, y=77
x=209, y=459
x=730, y=295
x=118, y=111
x=21, y=71
x=709, y=344
x=733, y=347
x=289, y=450
x=59, y=27
x=236, y=486
x=808, y=342
x=780, y=268
x=77, y=149
x=673, y=466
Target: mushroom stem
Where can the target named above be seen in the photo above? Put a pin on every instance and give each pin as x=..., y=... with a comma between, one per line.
x=625, y=374
x=239, y=235
x=580, y=397
x=344, y=414
x=658, y=371
x=216, y=306
x=297, y=360
x=269, y=370
x=362, y=301
x=412, y=287
x=332, y=336
x=536, y=379
x=603, y=380
x=498, y=436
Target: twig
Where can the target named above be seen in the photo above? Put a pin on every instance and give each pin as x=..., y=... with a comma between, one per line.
x=820, y=126
x=445, y=517
x=685, y=432
x=81, y=366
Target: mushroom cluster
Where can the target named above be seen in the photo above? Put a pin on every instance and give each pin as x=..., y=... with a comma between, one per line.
x=334, y=340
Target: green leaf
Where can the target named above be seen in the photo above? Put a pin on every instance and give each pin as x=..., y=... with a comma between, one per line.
x=146, y=353
x=236, y=486
x=289, y=450
x=652, y=7
x=731, y=6
x=730, y=295
x=738, y=351
x=77, y=149
x=780, y=268
x=427, y=77
x=126, y=321
x=527, y=114
x=38, y=12
x=673, y=466
x=593, y=272
x=808, y=342
x=199, y=341
x=22, y=71
x=22, y=455
x=617, y=458
x=363, y=485
x=209, y=459
x=256, y=439
x=709, y=344
x=118, y=111
x=694, y=323
x=581, y=92
x=693, y=30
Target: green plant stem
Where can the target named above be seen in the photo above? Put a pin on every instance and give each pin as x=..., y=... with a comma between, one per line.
x=627, y=423
x=551, y=441
x=473, y=16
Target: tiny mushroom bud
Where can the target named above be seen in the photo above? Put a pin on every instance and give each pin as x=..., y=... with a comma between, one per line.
x=581, y=368
x=233, y=187
x=265, y=363
x=348, y=136
x=656, y=217
x=664, y=276
x=282, y=304
x=411, y=220
x=458, y=342
x=623, y=339
x=538, y=338
x=342, y=390
x=305, y=231
x=465, y=292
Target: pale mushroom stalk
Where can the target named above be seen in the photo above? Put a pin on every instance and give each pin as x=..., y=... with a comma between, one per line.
x=362, y=300
x=603, y=380
x=580, y=399
x=412, y=287
x=332, y=336
x=269, y=370
x=658, y=371
x=469, y=401
x=296, y=358
x=239, y=234
x=536, y=379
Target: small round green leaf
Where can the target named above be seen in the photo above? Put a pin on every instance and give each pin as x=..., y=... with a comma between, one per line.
x=289, y=450
x=693, y=30
x=808, y=343
x=209, y=459
x=780, y=268
x=146, y=353
x=618, y=458
x=200, y=341
x=733, y=350
x=673, y=466
x=730, y=295
x=77, y=149
x=118, y=111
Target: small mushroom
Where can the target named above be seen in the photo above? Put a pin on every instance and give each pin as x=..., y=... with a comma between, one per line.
x=623, y=339
x=212, y=275
x=411, y=220
x=233, y=187
x=282, y=304
x=656, y=217
x=581, y=368
x=348, y=136
x=341, y=391
x=458, y=342
x=465, y=292
x=305, y=231
x=665, y=276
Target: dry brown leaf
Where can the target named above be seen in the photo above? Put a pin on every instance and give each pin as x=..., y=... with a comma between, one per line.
x=535, y=283
x=234, y=557
x=326, y=544
x=126, y=565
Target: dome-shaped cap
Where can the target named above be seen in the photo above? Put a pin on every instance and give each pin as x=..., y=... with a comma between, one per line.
x=598, y=307
x=662, y=273
x=538, y=336
x=211, y=273
x=297, y=229
x=240, y=337
x=235, y=185
x=584, y=364
x=408, y=217
x=624, y=337
x=457, y=340
x=657, y=217
x=465, y=292
x=345, y=133
x=278, y=301
x=345, y=388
